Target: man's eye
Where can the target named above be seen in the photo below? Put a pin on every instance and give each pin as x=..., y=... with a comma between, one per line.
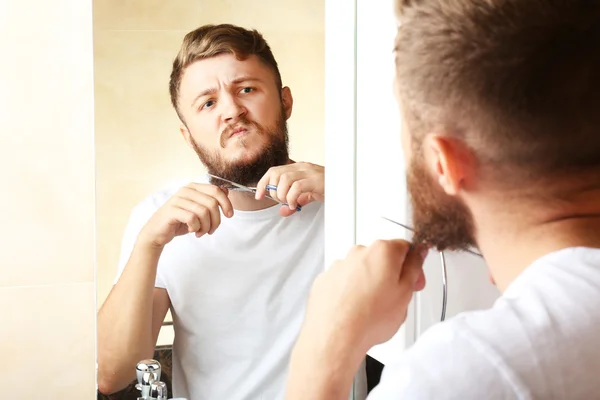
x=247, y=90
x=208, y=104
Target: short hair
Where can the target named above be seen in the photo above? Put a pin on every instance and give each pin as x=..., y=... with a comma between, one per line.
x=517, y=80
x=212, y=40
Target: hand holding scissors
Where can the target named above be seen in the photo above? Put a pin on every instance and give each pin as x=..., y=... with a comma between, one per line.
x=194, y=208
x=359, y=302
x=237, y=186
x=296, y=184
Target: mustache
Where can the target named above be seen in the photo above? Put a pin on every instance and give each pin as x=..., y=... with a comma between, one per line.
x=243, y=122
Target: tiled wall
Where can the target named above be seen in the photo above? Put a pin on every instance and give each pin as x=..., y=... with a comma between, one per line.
x=47, y=310
x=47, y=81
x=138, y=144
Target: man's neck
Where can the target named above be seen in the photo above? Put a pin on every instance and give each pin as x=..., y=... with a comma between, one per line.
x=512, y=235
x=245, y=201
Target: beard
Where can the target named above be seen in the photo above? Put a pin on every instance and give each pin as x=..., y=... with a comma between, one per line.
x=440, y=221
x=273, y=153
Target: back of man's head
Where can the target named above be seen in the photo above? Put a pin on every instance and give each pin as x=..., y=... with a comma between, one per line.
x=518, y=81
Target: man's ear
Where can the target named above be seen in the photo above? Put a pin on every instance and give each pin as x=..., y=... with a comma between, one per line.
x=288, y=101
x=186, y=135
x=446, y=161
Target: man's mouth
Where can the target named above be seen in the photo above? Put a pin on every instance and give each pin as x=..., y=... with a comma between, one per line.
x=238, y=132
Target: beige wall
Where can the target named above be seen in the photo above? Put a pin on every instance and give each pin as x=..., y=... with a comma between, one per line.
x=138, y=145
x=47, y=318
x=47, y=294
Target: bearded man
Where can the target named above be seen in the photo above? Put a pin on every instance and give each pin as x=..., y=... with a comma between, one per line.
x=234, y=267
x=500, y=104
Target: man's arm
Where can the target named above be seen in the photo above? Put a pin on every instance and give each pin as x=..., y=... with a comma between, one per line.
x=357, y=303
x=130, y=320
x=321, y=370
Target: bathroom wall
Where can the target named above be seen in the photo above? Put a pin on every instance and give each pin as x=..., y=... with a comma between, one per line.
x=47, y=318
x=138, y=145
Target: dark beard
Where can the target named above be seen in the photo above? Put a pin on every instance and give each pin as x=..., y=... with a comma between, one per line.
x=439, y=220
x=248, y=173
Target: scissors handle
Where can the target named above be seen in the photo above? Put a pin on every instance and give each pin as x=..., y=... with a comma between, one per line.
x=273, y=187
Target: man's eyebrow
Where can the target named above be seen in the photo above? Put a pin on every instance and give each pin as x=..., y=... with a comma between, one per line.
x=204, y=93
x=242, y=79
x=236, y=81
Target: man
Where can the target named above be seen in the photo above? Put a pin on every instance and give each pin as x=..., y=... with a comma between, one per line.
x=233, y=270
x=500, y=104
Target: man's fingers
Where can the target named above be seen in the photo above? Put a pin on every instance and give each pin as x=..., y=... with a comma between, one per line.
x=399, y=260
x=205, y=201
x=390, y=255
x=261, y=186
x=207, y=210
x=412, y=269
x=299, y=193
x=292, y=180
x=205, y=207
x=287, y=181
x=421, y=282
x=188, y=218
x=305, y=198
x=202, y=214
x=356, y=250
x=285, y=211
x=274, y=182
x=215, y=192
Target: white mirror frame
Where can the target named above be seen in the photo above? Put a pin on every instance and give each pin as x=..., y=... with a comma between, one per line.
x=340, y=140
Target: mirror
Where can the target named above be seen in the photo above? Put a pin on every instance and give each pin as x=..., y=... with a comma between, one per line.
x=232, y=301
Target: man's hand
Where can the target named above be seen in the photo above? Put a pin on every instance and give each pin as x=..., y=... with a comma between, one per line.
x=358, y=303
x=194, y=208
x=297, y=185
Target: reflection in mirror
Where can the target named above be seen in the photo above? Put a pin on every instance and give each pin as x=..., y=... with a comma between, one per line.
x=205, y=276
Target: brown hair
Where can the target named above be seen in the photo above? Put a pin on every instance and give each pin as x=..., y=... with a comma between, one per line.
x=517, y=80
x=211, y=40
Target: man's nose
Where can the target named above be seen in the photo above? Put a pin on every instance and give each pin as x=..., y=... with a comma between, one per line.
x=232, y=110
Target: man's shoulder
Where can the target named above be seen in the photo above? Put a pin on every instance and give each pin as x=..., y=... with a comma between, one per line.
x=145, y=208
x=157, y=198
x=448, y=356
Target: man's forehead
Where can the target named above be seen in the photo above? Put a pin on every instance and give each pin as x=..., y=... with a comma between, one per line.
x=223, y=69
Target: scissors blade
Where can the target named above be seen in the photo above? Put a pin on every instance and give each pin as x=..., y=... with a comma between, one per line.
x=237, y=185
x=398, y=223
x=249, y=189
x=412, y=230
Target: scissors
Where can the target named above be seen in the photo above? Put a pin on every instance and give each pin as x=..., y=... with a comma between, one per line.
x=444, y=269
x=252, y=190
x=412, y=230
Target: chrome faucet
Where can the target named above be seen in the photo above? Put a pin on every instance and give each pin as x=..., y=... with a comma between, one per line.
x=149, y=384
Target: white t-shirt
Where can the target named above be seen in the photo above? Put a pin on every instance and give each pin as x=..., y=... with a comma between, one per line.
x=540, y=340
x=237, y=298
